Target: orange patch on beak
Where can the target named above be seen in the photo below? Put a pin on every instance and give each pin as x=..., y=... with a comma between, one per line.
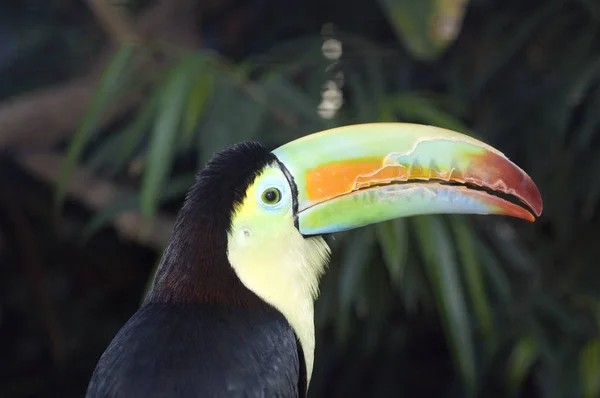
x=337, y=178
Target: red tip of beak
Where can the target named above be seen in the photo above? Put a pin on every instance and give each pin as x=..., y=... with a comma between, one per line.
x=495, y=172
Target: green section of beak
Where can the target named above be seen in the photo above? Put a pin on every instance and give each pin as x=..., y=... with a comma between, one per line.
x=362, y=174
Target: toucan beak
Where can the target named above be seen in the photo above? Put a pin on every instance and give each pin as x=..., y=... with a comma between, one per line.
x=357, y=175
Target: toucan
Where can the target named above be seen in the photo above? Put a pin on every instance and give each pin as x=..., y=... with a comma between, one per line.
x=230, y=310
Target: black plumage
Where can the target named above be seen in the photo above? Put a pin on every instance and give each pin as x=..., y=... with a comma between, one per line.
x=200, y=331
x=198, y=350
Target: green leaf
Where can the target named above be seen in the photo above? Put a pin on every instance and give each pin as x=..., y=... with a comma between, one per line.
x=435, y=244
x=414, y=292
x=589, y=303
x=108, y=213
x=118, y=148
x=215, y=133
x=175, y=188
x=161, y=151
x=590, y=123
x=496, y=273
x=104, y=155
x=584, y=79
x=134, y=132
x=427, y=27
x=243, y=69
x=354, y=262
x=393, y=240
x=386, y=113
x=108, y=88
x=589, y=368
x=219, y=129
x=560, y=315
x=282, y=93
x=198, y=97
x=418, y=108
x=522, y=358
x=471, y=265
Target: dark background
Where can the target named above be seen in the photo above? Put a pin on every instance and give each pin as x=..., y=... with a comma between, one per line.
x=100, y=138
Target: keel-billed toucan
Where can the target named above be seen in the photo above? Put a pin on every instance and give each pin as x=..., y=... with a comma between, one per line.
x=230, y=312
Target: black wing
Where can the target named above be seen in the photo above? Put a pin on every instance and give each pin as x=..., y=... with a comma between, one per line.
x=183, y=351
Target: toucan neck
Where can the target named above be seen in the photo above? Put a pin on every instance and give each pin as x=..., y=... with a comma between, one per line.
x=194, y=267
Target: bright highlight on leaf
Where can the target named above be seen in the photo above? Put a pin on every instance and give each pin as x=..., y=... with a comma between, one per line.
x=426, y=27
x=589, y=368
x=523, y=356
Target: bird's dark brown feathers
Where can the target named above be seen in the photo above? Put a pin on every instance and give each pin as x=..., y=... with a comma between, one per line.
x=195, y=267
x=201, y=332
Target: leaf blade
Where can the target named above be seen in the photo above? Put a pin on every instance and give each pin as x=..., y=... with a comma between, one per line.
x=438, y=255
x=393, y=241
x=106, y=90
x=522, y=358
x=589, y=368
x=426, y=27
x=354, y=261
x=419, y=108
x=471, y=265
x=198, y=97
x=162, y=146
x=174, y=189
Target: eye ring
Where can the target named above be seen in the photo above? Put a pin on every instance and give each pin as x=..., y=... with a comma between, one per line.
x=271, y=196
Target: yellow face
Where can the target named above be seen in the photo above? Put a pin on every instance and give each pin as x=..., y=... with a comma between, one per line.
x=266, y=210
x=273, y=259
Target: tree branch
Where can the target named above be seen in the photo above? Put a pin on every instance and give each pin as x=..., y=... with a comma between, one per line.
x=42, y=118
x=96, y=193
x=113, y=20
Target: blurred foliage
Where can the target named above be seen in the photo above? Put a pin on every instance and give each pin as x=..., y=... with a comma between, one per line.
x=32, y=35
x=518, y=303
x=529, y=86
x=426, y=27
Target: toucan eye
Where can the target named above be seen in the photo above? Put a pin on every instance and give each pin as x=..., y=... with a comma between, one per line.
x=271, y=196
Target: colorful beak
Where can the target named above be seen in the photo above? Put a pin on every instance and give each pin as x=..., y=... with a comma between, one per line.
x=357, y=175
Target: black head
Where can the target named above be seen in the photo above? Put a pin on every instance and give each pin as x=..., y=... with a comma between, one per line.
x=194, y=267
